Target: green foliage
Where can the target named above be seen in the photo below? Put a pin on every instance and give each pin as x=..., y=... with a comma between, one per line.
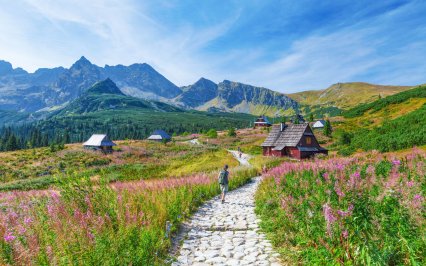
x=418, y=92
x=353, y=211
x=311, y=117
x=327, y=128
x=400, y=133
x=231, y=132
x=212, y=133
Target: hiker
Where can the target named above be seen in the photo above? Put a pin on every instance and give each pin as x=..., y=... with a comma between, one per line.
x=239, y=152
x=223, y=181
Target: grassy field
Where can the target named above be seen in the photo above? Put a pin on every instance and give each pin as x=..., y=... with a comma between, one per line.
x=111, y=208
x=134, y=160
x=362, y=210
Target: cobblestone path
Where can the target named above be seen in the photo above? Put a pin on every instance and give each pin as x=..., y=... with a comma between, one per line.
x=227, y=234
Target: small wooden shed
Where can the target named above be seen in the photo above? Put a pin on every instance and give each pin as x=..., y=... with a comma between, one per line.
x=319, y=124
x=262, y=121
x=99, y=142
x=159, y=135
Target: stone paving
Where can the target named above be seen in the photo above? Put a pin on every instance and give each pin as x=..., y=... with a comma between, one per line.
x=227, y=234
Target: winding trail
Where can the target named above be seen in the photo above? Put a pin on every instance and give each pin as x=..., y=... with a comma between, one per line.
x=227, y=234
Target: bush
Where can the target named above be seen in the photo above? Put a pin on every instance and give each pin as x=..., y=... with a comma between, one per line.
x=212, y=133
x=231, y=132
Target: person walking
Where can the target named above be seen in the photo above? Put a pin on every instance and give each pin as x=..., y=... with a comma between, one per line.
x=223, y=182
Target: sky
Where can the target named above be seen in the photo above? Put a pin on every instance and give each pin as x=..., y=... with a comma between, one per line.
x=287, y=46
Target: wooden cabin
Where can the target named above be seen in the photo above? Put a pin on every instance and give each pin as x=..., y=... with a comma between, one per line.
x=319, y=124
x=293, y=140
x=160, y=135
x=99, y=142
x=262, y=121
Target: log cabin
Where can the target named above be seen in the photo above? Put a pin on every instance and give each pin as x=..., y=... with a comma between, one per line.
x=99, y=142
x=293, y=140
x=262, y=121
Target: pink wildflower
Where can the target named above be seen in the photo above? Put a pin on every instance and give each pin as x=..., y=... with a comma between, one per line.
x=326, y=176
x=8, y=237
x=396, y=162
x=329, y=217
x=410, y=183
x=345, y=234
x=417, y=201
x=28, y=220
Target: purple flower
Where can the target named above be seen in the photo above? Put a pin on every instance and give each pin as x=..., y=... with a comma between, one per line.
x=8, y=237
x=28, y=220
x=325, y=175
x=396, y=162
x=410, y=183
x=345, y=234
x=329, y=217
x=418, y=197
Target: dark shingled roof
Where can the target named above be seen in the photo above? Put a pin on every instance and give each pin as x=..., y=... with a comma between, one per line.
x=273, y=136
x=289, y=137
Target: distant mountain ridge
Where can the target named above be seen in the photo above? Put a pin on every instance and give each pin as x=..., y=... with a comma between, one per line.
x=229, y=96
x=50, y=89
x=30, y=92
x=346, y=95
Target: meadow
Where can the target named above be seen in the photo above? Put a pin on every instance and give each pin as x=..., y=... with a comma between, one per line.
x=368, y=209
x=112, y=208
x=133, y=160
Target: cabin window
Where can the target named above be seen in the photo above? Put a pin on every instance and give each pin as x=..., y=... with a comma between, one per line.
x=308, y=140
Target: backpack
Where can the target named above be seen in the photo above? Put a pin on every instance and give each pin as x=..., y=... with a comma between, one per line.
x=223, y=177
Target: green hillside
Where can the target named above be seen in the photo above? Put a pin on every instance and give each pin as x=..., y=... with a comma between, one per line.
x=342, y=96
x=380, y=104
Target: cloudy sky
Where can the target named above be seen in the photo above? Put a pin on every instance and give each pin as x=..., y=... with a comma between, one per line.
x=287, y=46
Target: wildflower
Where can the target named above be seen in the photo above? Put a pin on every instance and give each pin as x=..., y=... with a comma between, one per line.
x=28, y=220
x=410, y=183
x=345, y=234
x=326, y=176
x=329, y=217
x=8, y=237
x=338, y=191
x=417, y=201
x=396, y=162
x=22, y=230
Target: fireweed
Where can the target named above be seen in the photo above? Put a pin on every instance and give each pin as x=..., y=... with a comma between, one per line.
x=367, y=209
x=87, y=224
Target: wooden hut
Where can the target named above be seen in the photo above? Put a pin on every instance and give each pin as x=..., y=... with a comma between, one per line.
x=262, y=121
x=160, y=135
x=294, y=140
x=319, y=124
x=99, y=142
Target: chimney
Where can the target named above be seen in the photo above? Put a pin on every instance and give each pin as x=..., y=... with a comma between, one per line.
x=283, y=126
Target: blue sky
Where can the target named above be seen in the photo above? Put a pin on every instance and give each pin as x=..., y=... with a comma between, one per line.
x=286, y=46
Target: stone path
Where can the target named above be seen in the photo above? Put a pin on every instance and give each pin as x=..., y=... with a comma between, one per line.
x=227, y=234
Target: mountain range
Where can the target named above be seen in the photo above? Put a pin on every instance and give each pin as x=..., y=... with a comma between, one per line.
x=47, y=90
x=52, y=89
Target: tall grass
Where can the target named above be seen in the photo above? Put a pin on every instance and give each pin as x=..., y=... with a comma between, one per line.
x=89, y=222
x=361, y=210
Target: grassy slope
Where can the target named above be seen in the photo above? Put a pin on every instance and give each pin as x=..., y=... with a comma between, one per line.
x=135, y=160
x=346, y=95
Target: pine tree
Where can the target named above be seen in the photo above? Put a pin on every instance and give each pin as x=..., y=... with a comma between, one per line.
x=327, y=128
x=12, y=143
